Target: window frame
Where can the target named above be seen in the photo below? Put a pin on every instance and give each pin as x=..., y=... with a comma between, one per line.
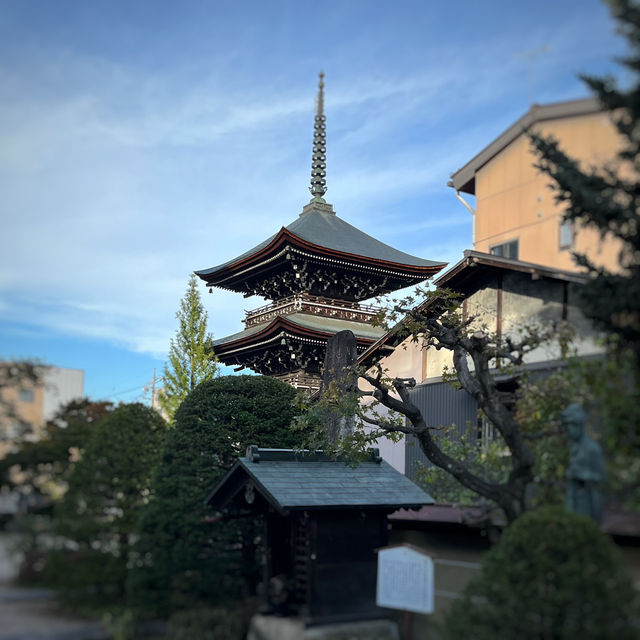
x=561, y=229
x=501, y=245
x=28, y=396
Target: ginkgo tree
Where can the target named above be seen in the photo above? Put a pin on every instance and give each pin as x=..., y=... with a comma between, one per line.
x=191, y=357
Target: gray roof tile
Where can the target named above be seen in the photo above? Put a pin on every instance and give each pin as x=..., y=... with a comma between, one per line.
x=328, y=230
x=298, y=483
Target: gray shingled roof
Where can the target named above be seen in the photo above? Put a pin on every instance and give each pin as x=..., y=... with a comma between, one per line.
x=297, y=481
x=328, y=230
x=307, y=321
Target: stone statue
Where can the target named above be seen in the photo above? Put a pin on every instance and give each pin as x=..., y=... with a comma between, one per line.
x=586, y=471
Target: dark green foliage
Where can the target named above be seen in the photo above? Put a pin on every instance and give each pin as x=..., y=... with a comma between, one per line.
x=552, y=575
x=44, y=464
x=208, y=624
x=606, y=389
x=97, y=516
x=182, y=560
x=608, y=199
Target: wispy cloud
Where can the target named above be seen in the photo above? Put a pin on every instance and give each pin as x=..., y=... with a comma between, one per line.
x=118, y=179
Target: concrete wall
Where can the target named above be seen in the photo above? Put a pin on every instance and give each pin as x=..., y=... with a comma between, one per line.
x=60, y=387
x=514, y=200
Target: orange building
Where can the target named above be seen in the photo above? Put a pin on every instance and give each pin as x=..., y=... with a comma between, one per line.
x=515, y=212
x=32, y=404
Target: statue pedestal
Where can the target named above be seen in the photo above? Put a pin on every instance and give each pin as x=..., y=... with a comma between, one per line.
x=275, y=628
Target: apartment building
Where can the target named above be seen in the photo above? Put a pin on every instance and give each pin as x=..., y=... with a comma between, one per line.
x=515, y=213
x=32, y=405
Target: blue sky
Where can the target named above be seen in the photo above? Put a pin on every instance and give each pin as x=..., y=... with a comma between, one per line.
x=143, y=140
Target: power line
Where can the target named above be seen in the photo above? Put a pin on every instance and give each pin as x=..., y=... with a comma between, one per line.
x=120, y=393
x=145, y=387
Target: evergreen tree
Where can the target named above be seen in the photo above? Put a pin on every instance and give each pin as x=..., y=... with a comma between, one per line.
x=183, y=558
x=608, y=199
x=97, y=516
x=191, y=357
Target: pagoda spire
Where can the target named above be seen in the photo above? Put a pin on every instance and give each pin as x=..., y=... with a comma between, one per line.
x=319, y=159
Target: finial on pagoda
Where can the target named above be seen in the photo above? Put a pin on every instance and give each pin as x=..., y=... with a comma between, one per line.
x=319, y=159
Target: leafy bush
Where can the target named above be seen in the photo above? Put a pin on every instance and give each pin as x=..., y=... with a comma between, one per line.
x=208, y=624
x=183, y=559
x=553, y=575
x=96, y=519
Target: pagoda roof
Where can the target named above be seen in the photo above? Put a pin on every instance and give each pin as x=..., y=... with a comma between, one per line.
x=291, y=480
x=319, y=231
x=299, y=324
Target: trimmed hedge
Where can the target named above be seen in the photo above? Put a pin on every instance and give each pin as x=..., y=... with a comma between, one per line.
x=552, y=575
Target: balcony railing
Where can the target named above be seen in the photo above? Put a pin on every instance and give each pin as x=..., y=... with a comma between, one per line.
x=315, y=305
x=302, y=381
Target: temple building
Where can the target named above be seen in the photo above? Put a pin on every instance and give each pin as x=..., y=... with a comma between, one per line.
x=316, y=271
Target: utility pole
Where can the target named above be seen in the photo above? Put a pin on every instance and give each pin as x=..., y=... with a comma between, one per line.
x=530, y=56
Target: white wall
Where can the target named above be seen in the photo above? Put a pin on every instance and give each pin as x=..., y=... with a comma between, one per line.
x=60, y=387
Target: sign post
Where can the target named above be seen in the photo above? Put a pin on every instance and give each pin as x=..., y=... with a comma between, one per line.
x=405, y=581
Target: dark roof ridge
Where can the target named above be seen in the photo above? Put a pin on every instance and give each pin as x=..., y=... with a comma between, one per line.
x=472, y=258
x=325, y=231
x=258, y=454
x=462, y=179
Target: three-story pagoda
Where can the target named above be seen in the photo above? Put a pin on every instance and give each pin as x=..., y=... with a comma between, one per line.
x=316, y=272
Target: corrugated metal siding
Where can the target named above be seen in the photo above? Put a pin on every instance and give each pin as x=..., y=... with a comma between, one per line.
x=441, y=405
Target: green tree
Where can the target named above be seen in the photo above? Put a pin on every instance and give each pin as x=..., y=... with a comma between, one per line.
x=607, y=199
x=437, y=322
x=191, y=357
x=183, y=558
x=45, y=464
x=552, y=575
x=605, y=387
x=97, y=516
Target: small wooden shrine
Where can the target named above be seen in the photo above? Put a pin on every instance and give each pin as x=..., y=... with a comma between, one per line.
x=316, y=272
x=324, y=521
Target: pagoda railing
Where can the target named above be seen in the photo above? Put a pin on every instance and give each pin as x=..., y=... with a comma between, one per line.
x=315, y=305
x=301, y=380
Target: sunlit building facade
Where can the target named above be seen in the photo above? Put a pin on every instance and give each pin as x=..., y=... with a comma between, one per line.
x=515, y=213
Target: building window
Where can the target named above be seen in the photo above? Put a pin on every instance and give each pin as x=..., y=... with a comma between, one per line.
x=25, y=395
x=506, y=249
x=566, y=235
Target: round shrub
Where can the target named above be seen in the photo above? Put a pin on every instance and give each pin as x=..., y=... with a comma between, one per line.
x=552, y=575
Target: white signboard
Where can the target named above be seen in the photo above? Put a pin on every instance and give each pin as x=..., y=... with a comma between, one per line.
x=405, y=579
